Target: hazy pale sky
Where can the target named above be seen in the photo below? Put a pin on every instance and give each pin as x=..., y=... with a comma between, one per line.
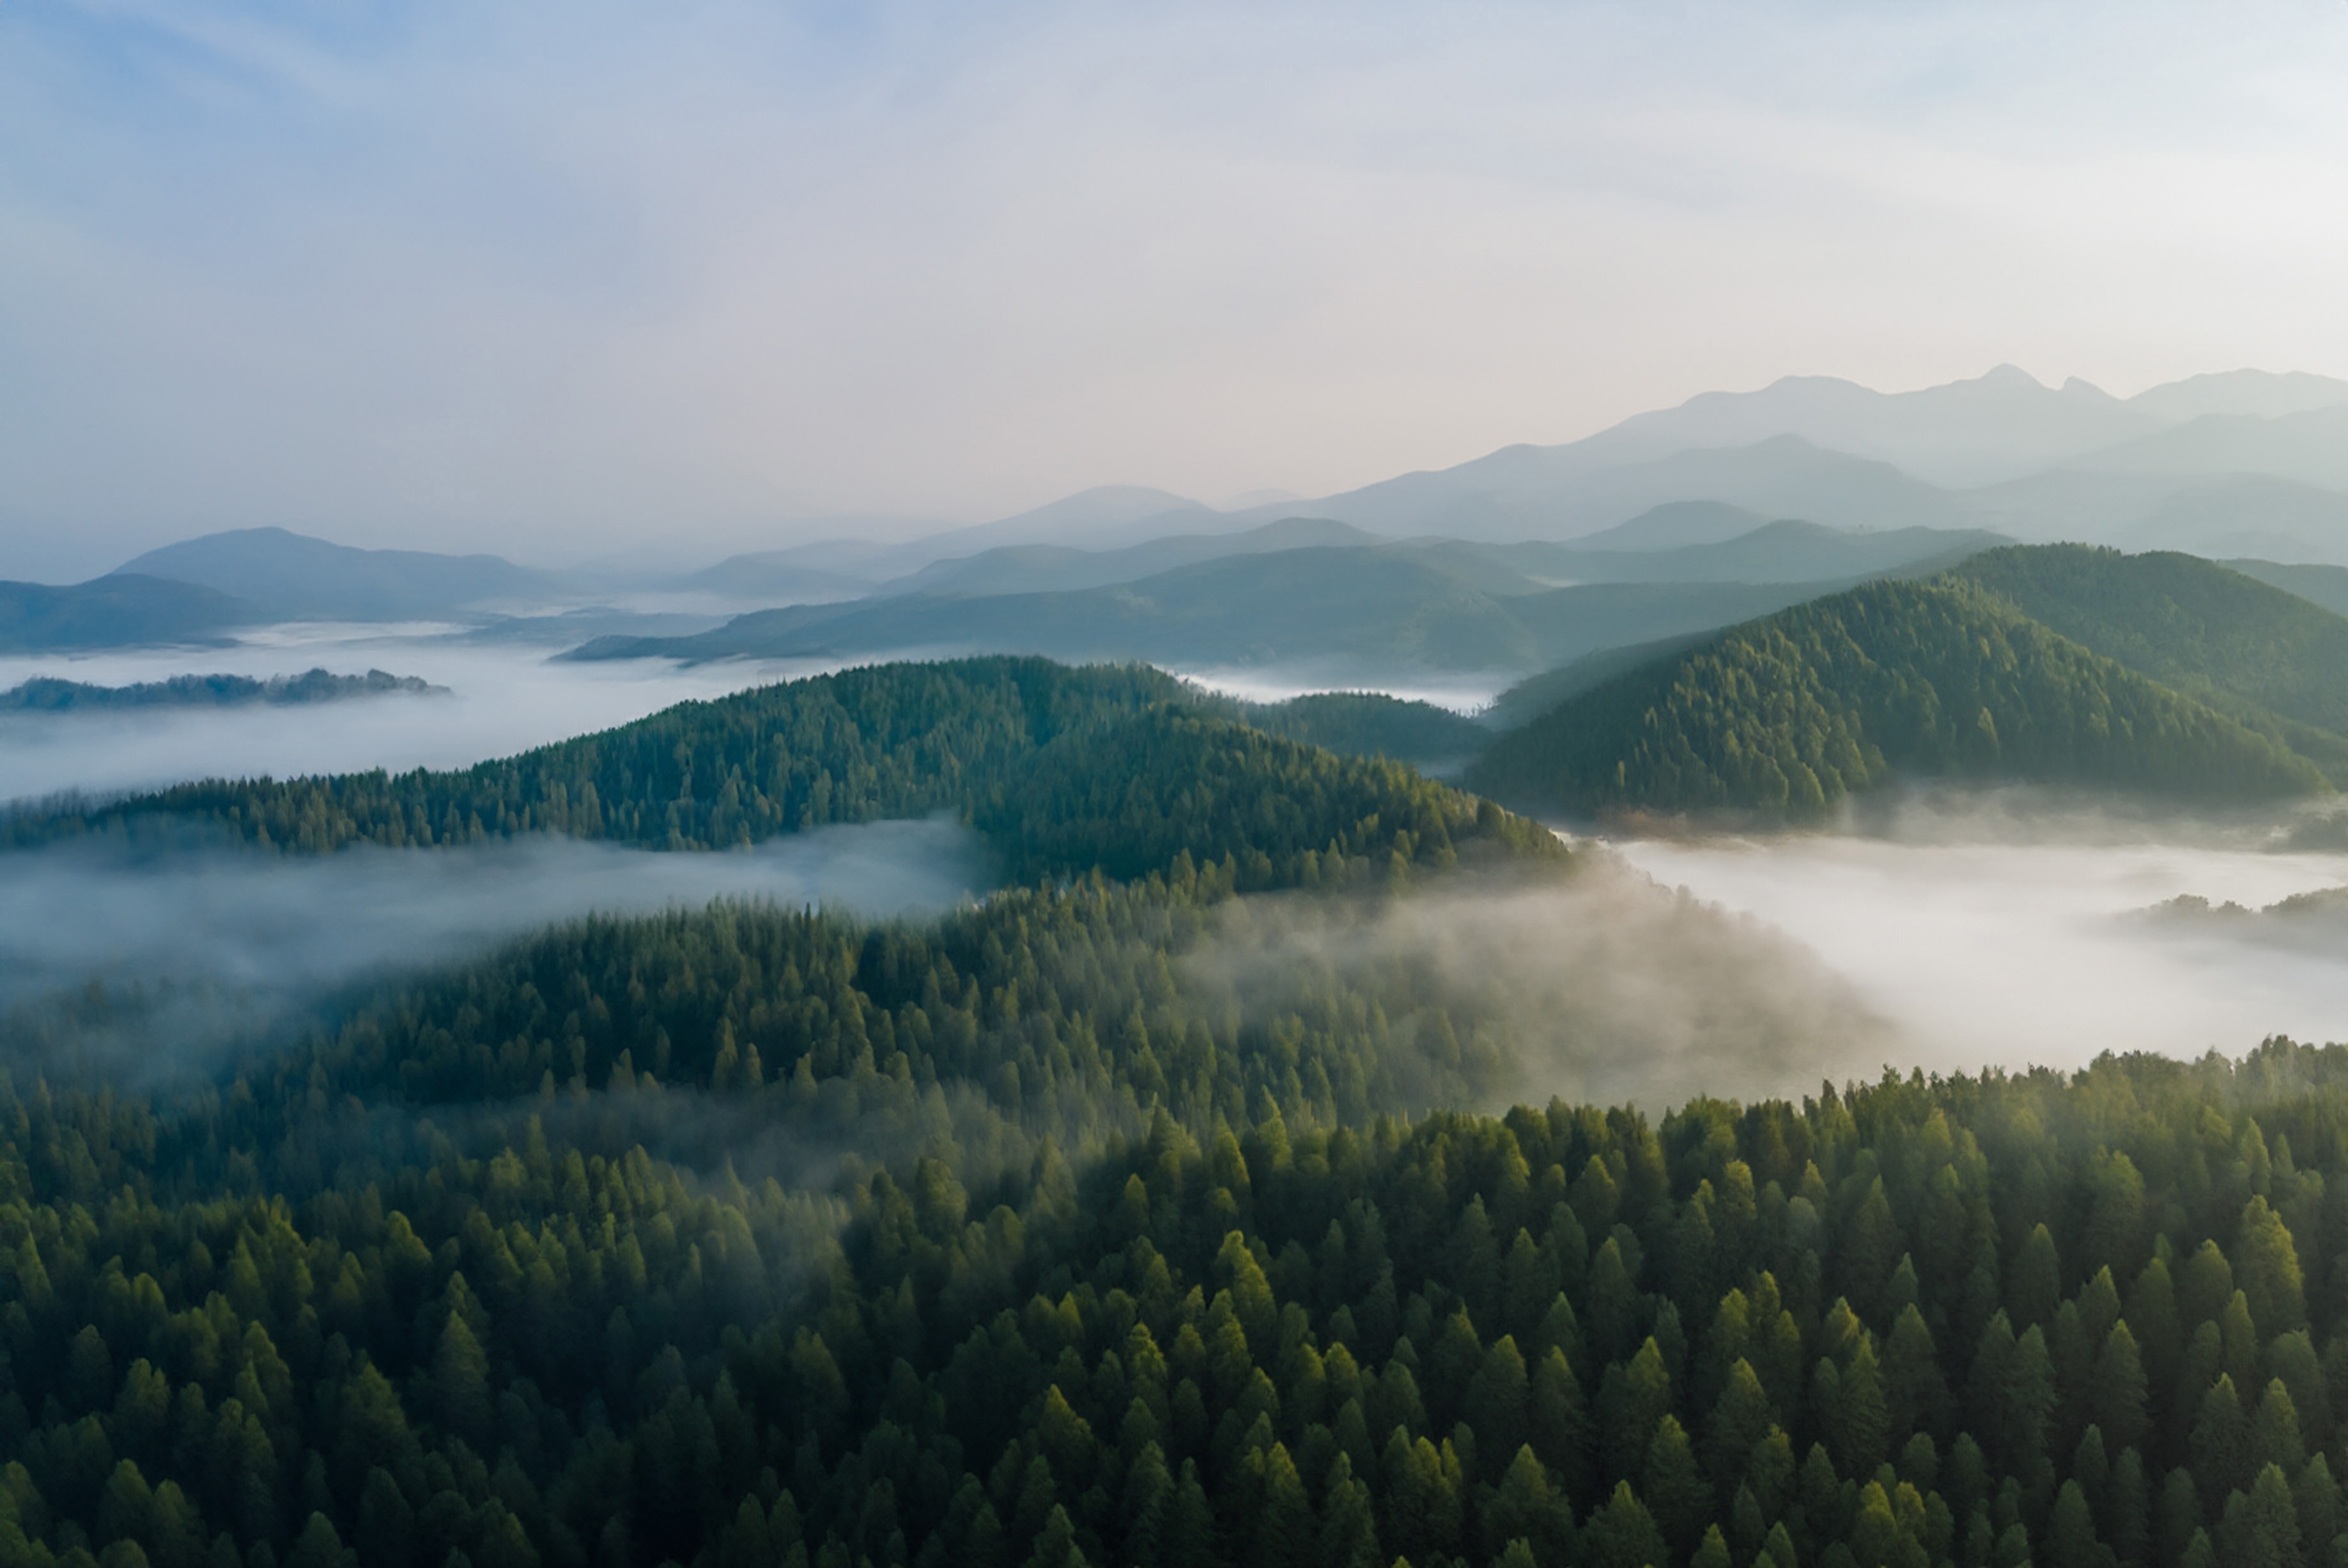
x=559, y=279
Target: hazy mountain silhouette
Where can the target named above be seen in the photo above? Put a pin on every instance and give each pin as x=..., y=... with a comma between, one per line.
x=1018, y=568
x=124, y=610
x=295, y=577
x=1675, y=524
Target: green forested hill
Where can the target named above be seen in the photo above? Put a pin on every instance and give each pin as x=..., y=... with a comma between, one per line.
x=1041, y=1234
x=1788, y=715
x=1065, y=768
x=2213, y=633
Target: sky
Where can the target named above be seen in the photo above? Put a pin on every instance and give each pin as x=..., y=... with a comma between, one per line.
x=560, y=281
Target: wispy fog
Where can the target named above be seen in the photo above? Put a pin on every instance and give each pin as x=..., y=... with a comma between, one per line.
x=2029, y=944
x=1606, y=988
x=500, y=699
x=189, y=947
x=1461, y=691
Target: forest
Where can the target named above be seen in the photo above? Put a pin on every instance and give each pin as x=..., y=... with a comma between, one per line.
x=1025, y=1236
x=1065, y=768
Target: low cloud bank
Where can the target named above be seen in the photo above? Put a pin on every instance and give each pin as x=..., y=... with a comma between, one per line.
x=1990, y=932
x=500, y=700
x=161, y=956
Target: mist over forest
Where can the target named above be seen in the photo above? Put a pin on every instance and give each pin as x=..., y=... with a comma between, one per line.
x=1594, y=1022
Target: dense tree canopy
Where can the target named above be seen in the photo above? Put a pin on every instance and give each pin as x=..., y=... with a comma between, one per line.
x=1786, y=715
x=2231, y=640
x=1118, y=766
x=1025, y=1237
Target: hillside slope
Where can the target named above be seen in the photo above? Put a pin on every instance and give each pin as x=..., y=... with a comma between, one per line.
x=2209, y=631
x=118, y=612
x=1786, y=715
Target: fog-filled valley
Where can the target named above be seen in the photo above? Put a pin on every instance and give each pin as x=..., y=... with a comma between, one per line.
x=1582, y=1019
x=1978, y=948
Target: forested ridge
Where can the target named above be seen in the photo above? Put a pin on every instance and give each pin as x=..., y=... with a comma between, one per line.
x=1786, y=715
x=2267, y=657
x=1012, y=745
x=2190, y=623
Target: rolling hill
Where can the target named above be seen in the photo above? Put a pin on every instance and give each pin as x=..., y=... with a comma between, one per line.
x=1066, y=771
x=2323, y=585
x=1785, y=716
x=1363, y=724
x=118, y=611
x=2219, y=635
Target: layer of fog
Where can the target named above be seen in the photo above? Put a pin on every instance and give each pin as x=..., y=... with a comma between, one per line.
x=1991, y=935
x=176, y=951
x=501, y=700
x=1605, y=987
x=1467, y=691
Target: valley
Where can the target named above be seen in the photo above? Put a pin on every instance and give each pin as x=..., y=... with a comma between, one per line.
x=1397, y=1034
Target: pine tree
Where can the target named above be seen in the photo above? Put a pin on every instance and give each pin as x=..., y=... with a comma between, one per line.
x=2274, y=1431
x=1622, y=1533
x=2267, y=1534
x=2269, y=1271
x=1560, y=1423
x=1349, y=1528
x=1286, y=1533
x=1526, y=1507
x=2116, y=1388
x=1191, y=1536
x=2070, y=1531
x=2177, y=1515
x=2317, y=1497
x=1634, y=1398
x=1674, y=1488
x=1740, y=1418
x=2035, y=1288
x=2220, y=1444
x=1499, y=1397
x=1056, y=1543
x=2127, y=1511
x=1915, y=1393
x=1862, y=1423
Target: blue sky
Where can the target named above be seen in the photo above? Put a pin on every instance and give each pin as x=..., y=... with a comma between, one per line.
x=557, y=280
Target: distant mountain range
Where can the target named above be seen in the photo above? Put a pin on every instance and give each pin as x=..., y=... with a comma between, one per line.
x=1372, y=608
x=2243, y=465
x=2239, y=464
